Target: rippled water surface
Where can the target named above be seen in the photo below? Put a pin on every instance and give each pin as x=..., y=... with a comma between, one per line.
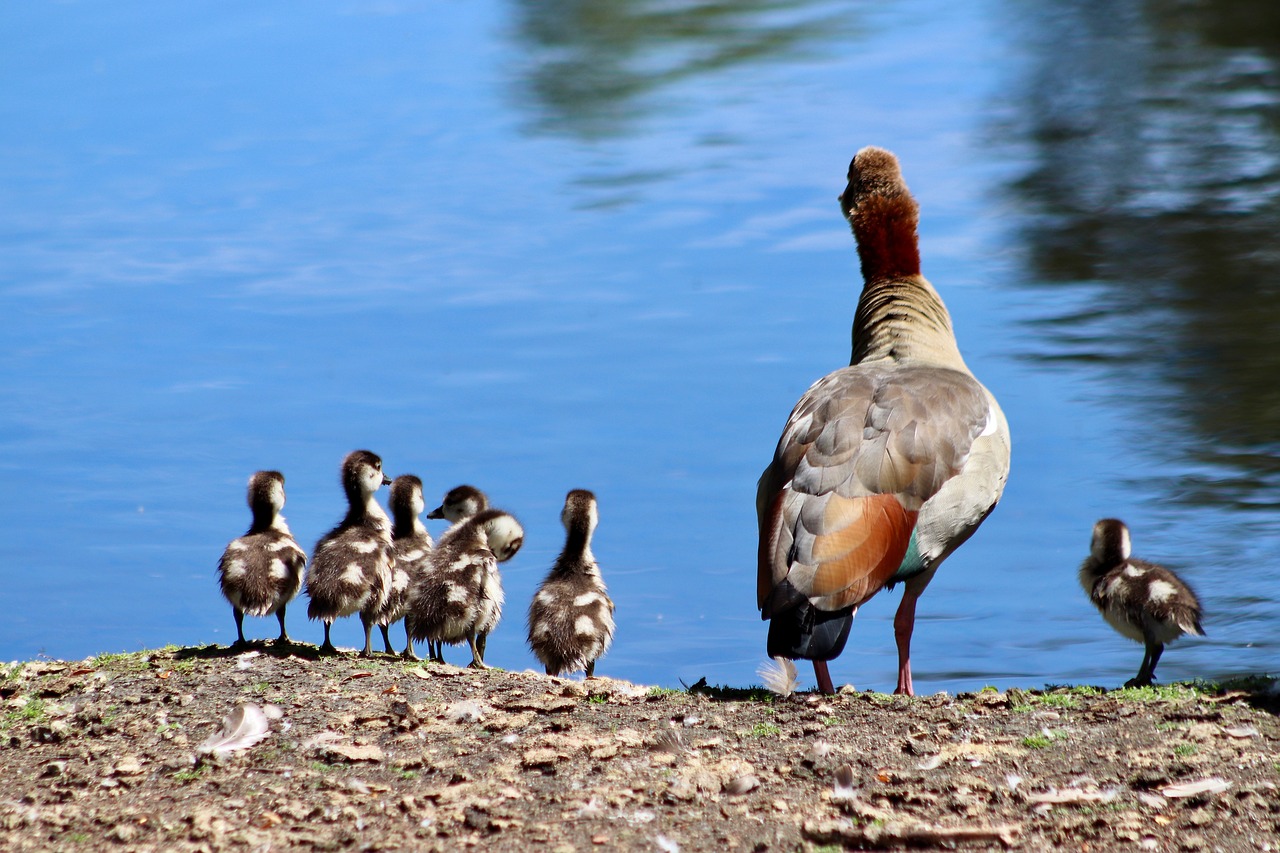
x=545, y=245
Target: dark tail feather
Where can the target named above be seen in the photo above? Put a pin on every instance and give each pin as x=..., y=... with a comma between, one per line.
x=808, y=633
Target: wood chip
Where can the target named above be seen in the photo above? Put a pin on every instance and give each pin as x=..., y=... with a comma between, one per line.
x=1212, y=785
x=1066, y=796
x=352, y=752
x=1243, y=731
x=901, y=835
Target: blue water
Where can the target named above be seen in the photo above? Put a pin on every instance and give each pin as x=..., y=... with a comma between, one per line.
x=536, y=247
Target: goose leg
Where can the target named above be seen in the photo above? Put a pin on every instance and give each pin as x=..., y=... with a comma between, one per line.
x=386, y=640
x=408, y=643
x=1155, y=652
x=239, y=614
x=824, y=677
x=328, y=647
x=284, y=636
x=1147, y=672
x=367, y=651
x=477, y=654
x=904, y=623
x=591, y=669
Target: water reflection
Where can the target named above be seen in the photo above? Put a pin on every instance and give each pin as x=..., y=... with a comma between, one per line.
x=1154, y=133
x=594, y=67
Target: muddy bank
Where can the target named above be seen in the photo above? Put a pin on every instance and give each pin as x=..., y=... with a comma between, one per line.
x=385, y=755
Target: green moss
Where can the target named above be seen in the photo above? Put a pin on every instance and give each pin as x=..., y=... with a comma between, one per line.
x=1184, y=749
x=765, y=730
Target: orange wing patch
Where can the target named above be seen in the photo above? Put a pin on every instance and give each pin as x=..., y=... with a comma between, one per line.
x=868, y=539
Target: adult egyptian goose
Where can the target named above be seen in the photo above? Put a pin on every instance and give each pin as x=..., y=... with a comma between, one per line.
x=885, y=466
x=461, y=596
x=351, y=565
x=261, y=571
x=412, y=544
x=1141, y=600
x=571, y=616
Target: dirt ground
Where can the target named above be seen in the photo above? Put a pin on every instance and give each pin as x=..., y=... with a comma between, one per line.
x=381, y=754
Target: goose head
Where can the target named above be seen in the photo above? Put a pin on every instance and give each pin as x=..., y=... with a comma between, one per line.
x=502, y=532
x=406, y=498
x=362, y=475
x=461, y=503
x=1110, y=545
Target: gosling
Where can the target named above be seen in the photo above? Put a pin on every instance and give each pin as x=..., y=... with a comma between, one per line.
x=261, y=572
x=571, y=618
x=1141, y=600
x=413, y=546
x=461, y=597
x=351, y=567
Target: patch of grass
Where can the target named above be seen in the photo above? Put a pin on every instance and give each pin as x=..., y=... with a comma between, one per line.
x=664, y=692
x=1162, y=692
x=989, y=689
x=404, y=773
x=1184, y=749
x=322, y=767
x=1169, y=726
x=32, y=712
x=189, y=775
x=259, y=688
x=78, y=837
x=831, y=721
x=1041, y=740
x=1059, y=700
x=598, y=699
x=123, y=661
x=168, y=727
x=183, y=665
x=731, y=694
x=765, y=730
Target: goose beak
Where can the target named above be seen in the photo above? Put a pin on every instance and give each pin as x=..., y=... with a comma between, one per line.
x=386, y=481
x=438, y=512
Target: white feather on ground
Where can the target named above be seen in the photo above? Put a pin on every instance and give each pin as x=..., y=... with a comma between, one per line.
x=779, y=676
x=241, y=729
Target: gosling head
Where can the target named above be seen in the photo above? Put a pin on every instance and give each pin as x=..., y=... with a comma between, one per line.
x=461, y=503
x=1110, y=545
x=362, y=474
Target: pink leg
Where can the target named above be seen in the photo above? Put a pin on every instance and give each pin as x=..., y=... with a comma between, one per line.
x=903, y=624
x=824, y=677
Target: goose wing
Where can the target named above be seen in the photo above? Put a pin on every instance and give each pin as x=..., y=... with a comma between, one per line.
x=862, y=451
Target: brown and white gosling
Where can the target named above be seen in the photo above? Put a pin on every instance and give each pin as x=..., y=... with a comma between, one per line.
x=461, y=596
x=413, y=546
x=351, y=566
x=571, y=617
x=1141, y=600
x=261, y=571
x=460, y=502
